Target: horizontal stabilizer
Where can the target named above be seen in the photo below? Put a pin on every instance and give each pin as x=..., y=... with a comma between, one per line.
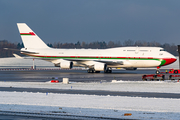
x=21, y=51
x=17, y=56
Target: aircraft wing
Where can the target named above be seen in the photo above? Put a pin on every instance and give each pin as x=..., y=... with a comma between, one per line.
x=83, y=63
x=92, y=62
x=87, y=63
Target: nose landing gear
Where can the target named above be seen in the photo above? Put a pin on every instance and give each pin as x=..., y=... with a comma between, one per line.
x=157, y=70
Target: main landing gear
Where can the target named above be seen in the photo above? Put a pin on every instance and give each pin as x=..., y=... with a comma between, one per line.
x=92, y=70
x=108, y=70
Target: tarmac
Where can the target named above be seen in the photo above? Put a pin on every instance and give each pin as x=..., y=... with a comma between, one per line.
x=79, y=76
x=73, y=75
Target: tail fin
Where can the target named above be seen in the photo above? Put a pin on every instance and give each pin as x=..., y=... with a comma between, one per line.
x=29, y=38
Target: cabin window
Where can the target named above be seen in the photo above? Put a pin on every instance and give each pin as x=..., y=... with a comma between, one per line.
x=144, y=50
x=162, y=50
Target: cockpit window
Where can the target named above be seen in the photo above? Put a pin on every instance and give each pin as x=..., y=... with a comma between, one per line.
x=162, y=50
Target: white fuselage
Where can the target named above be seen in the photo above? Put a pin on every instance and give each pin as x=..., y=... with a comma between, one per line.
x=130, y=56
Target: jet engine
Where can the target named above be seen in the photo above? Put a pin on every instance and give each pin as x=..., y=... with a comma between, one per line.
x=131, y=68
x=63, y=64
x=100, y=66
x=66, y=64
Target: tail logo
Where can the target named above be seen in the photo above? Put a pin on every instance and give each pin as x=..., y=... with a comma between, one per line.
x=30, y=33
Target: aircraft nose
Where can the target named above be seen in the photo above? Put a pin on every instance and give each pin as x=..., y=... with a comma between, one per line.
x=169, y=60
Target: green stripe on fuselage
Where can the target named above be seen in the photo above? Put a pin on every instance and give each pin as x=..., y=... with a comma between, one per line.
x=162, y=62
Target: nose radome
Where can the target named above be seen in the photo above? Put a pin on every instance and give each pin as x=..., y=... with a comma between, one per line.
x=169, y=60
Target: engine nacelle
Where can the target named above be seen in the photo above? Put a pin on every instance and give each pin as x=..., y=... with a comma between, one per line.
x=100, y=66
x=131, y=68
x=66, y=64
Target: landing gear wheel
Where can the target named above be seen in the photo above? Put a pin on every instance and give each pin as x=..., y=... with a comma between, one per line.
x=91, y=70
x=108, y=70
x=157, y=72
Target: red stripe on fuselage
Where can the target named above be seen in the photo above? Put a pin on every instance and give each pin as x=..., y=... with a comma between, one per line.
x=30, y=33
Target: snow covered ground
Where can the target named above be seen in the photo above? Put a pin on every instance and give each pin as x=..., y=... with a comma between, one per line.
x=94, y=105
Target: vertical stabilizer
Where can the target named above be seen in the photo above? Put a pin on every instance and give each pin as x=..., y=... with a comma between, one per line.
x=29, y=38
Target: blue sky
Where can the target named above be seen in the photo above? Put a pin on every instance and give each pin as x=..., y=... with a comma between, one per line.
x=92, y=20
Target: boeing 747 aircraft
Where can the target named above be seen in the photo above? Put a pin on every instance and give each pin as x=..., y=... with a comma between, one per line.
x=129, y=58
